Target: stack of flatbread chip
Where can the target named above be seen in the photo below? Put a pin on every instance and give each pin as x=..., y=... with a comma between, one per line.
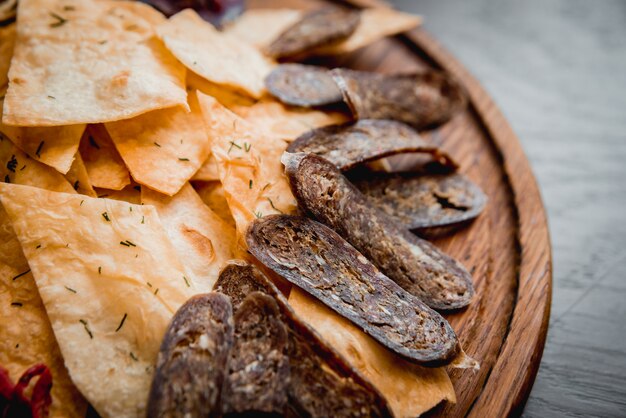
x=135, y=152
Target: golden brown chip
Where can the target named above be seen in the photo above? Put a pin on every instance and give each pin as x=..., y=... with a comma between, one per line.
x=202, y=239
x=7, y=43
x=110, y=281
x=213, y=55
x=285, y=122
x=130, y=193
x=228, y=97
x=248, y=164
x=104, y=165
x=101, y=64
x=259, y=27
x=410, y=390
x=212, y=194
x=78, y=177
x=164, y=148
x=208, y=170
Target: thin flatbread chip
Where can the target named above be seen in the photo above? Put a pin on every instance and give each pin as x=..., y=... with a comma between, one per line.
x=303, y=85
x=226, y=96
x=7, y=43
x=376, y=23
x=87, y=61
x=126, y=283
x=285, y=122
x=249, y=165
x=164, y=148
x=366, y=140
x=321, y=27
x=423, y=100
x=259, y=27
x=129, y=194
x=409, y=389
x=208, y=170
x=53, y=146
x=201, y=238
x=213, y=55
x=78, y=177
x=212, y=194
x=428, y=204
x=104, y=165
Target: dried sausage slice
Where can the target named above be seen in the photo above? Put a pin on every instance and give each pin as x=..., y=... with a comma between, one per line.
x=303, y=85
x=422, y=100
x=416, y=265
x=428, y=204
x=193, y=359
x=258, y=370
x=366, y=140
x=316, y=259
x=318, y=28
x=322, y=384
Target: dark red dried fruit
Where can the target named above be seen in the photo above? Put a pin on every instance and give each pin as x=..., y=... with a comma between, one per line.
x=316, y=259
x=429, y=204
x=318, y=28
x=366, y=140
x=415, y=264
x=13, y=400
x=193, y=359
x=217, y=12
x=423, y=100
x=303, y=85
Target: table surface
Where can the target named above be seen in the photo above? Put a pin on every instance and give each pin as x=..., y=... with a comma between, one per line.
x=557, y=69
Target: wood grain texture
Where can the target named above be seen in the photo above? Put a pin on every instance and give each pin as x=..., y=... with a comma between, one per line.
x=507, y=248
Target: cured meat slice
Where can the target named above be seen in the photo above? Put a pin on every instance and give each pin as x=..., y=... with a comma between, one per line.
x=366, y=140
x=316, y=259
x=416, y=265
x=303, y=85
x=193, y=359
x=322, y=384
x=428, y=204
x=258, y=369
x=318, y=28
x=422, y=100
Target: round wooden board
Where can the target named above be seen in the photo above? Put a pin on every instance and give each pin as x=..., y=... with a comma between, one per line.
x=507, y=249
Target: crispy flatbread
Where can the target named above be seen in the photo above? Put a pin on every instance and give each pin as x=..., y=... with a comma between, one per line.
x=101, y=64
x=130, y=194
x=248, y=164
x=164, y=148
x=207, y=171
x=202, y=239
x=78, y=177
x=213, y=55
x=259, y=27
x=410, y=390
x=285, y=122
x=126, y=283
x=212, y=194
x=104, y=165
x=228, y=97
x=7, y=43
x=376, y=23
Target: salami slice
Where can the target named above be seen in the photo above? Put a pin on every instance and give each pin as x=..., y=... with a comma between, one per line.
x=322, y=384
x=428, y=204
x=422, y=100
x=318, y=28
x=303, y=85
x=413, y=263
x=258, y=369
x=366, y=140
x=193, y=359
x=316, y=259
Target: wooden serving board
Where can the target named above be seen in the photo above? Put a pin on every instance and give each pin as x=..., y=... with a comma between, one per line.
x=507, y=249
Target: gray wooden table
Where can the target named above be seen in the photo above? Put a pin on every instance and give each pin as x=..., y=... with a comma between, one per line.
x=557, y=68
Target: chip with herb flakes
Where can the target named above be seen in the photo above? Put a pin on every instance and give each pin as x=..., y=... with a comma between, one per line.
x=212, y=194
x=101, y=60
x=248, y=164
x=228, y=97
x=286, y=122
x=213, y=55
x=162, y=149
x=409, y=389
x=260, y=27
x=78, y=177
x=207, y=171
x=202, y=239
x=104, y=165
x=7, y=43
x=130, y=193
x=127, y=283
